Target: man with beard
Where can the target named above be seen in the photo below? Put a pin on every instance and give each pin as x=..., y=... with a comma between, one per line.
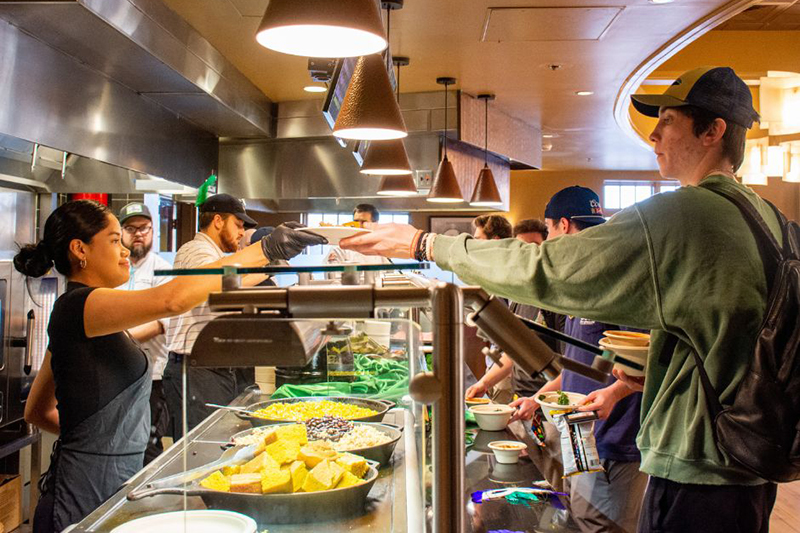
x=223, y=221
x=137, y=236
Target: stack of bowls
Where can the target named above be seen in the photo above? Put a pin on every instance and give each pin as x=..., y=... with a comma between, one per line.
x=630, y=350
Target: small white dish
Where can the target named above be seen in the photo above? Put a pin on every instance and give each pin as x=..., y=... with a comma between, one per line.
x=492, y=417
x=550, y=403
x=200, y=521
x=625, y=355
x=628, y=338
x=336, y=233
x=506, y=451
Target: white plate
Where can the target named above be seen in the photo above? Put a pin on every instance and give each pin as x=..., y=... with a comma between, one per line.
x=336, y=233
x=203, y=521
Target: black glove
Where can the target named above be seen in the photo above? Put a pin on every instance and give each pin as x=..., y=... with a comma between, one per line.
x=287, y=240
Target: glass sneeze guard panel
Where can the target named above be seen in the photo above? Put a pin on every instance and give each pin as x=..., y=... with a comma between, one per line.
x=293, y=269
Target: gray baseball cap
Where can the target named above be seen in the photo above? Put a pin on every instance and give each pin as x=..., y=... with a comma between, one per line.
x=134, y=209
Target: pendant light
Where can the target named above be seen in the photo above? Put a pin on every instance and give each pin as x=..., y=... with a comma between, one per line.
x=369, y=111
x=445, y=188
x=485, y=193
x=389, y=158
x=322, y=28
x=399, y=185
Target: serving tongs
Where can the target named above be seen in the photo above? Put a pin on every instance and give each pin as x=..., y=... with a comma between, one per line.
x=176, y=484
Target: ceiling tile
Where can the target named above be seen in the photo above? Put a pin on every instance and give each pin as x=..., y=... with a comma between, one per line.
x=510, y=24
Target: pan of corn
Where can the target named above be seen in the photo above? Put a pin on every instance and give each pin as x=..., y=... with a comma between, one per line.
x=289, y=480
x=306, y=407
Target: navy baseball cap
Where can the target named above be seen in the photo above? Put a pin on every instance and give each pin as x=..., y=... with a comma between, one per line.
x=133, y=209
x=225, y=203
x=715, y=89
x=575, y=203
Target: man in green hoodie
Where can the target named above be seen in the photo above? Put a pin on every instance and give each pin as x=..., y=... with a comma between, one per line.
x=683, y=262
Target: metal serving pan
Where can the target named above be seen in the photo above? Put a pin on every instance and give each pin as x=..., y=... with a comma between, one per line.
x=381, y=406
x=381, y=454
x=297, y=508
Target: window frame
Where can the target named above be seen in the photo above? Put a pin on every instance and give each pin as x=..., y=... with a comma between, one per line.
x=655, y=186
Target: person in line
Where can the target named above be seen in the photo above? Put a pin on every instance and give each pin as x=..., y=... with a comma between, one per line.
x=222, y=223
x=610, y=500
x=93, y=388
x=530, y=230
x=137, y=237
x=490, y=227
x=683, y=262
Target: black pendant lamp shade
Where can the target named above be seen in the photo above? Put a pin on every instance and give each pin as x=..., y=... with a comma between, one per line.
x=369, y=111
x=445, y=188
x=322, y=28
x=398, y=185
x=485, y=193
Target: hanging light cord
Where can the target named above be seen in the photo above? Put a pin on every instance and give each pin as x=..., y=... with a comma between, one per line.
x=445, y=120
x=486, y=135
x=388, y=37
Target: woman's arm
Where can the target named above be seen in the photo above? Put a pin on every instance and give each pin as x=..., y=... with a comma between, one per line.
x=110, y=311
x=40, y=409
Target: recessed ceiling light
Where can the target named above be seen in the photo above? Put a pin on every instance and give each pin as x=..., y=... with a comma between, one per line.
x=661, y=1
x=584, y=93
x=315, y=89
x=549, y=135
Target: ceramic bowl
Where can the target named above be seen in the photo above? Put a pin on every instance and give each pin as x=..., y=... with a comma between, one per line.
x=550, y=403
x=492, y=417
x=506, y=451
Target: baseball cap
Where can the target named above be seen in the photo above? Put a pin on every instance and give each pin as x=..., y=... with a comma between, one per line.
x=225, y=203
x=576, y=203
x=133, y=209
x=715, y=89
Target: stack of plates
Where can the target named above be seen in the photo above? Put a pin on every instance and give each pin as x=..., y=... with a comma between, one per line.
x=630, y=350
x=203, y=521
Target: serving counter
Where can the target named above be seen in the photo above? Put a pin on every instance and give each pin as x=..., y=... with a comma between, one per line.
x=394, y=503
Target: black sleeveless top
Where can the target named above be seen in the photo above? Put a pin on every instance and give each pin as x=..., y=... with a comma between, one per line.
x=88, y=372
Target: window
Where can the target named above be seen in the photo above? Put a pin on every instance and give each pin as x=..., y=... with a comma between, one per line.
x=337, y=219
x=621, y=194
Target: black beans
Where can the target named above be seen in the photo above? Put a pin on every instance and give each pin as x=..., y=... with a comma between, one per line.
x=330, y=428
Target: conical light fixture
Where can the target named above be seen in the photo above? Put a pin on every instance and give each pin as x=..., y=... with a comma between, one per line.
x=322, y=28
x=485, y=193
x=445, y=188
x=369, y=111
x=398, y=185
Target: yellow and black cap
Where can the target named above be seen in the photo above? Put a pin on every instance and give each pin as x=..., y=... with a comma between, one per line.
x=715, y=89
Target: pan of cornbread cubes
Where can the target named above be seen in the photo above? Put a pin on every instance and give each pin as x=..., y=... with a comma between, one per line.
x=290, y=480
x=303, y=408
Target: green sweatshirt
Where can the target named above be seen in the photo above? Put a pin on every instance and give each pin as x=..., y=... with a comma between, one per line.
x=684, y=262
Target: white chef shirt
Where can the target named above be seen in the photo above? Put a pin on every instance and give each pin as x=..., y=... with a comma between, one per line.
x=142, y=277
x=184, y=329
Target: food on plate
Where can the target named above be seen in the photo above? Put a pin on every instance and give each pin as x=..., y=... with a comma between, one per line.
x=289, y=463
x=284, y=451
x=248, y=483
x=276, y=481
x=325, y=476
x=217, y=481
x=302, y=411
x=359, y=436
x=316, y=452
x=353, y=224
x=355, y=464
x=563, y=399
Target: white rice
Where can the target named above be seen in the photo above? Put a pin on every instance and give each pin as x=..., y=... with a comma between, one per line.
x=357, y=438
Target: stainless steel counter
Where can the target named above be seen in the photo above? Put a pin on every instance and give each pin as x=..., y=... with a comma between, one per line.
x=389, y=509
x=394, y=503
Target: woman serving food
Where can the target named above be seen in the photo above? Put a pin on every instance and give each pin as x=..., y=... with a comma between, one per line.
x=93, y=387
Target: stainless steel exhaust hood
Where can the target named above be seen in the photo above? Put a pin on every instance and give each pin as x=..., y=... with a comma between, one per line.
x=127, y=82
x=305, y=168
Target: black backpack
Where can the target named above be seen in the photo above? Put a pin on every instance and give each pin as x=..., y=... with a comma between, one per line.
x=761, y=429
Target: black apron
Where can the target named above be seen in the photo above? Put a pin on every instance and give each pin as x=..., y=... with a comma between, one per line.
x=91, y=462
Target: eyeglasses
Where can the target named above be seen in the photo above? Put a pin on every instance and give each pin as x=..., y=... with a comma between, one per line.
x=133, y=230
